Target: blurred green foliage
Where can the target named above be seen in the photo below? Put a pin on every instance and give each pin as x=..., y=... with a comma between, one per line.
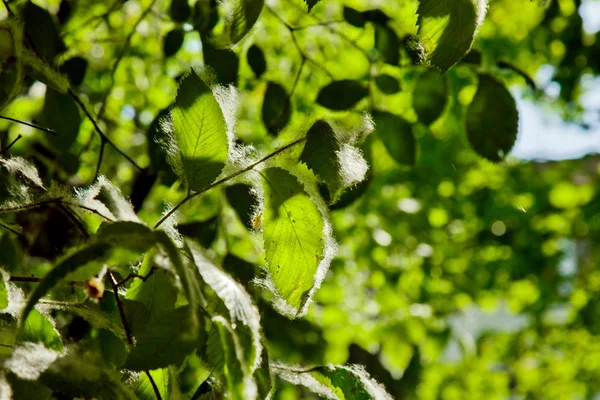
x=456, y=278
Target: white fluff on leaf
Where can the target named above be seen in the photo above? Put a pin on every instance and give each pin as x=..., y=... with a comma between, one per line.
x=29, y=360
x=234, y=296
x=18, y=165
x=300, y=378
x=375, y=389
x=5, y=389
x=353, y=166
x=481, y=7
x=106, y=199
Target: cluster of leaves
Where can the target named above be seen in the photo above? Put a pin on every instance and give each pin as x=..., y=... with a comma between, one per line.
x=194, y=305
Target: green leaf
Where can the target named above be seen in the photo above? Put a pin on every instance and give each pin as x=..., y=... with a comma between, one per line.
x=206, y=16
x=430, y=96
x=205, y=232
x=240, y=196
x=41, y=70
x=492, y=120
x=180, y=10
x=85, y=375
x=396, y=135
x=164, y=341
x=165, y=380
x=30, y=390
x=41, y=30
x=11, y=254
x=61, y=114
x=354, y=17
x=342, y=95
x=276, y=108
x=447, y=29
x=243, y=315
x=387, y=44
x=3, y=293
x=224, y=62
x=387, y=84
x=311, y=4
x=173, y=41
x=320, y=154
x=337, y=382
x=157, y=293
x=376, y=16
x=158, y=139
x=256, y=60
x=11, y=69
x=74, y=68
x=293, y=238
x=264, y=379
x=92, y=253
x=239, y=384
x=242, y=19
x=200, y=133
x=38, y=328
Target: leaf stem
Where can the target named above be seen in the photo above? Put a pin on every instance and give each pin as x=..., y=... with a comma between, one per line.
x=98, y=130
x=128, y=336
x=38, y=127
x=11, y=144
x=228, y=178
x=29, y=206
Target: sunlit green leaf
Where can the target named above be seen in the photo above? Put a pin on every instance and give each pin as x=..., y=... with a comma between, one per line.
x=447, y=29
x=294, y=244
x=242, y=19
x=338, y=382
x=200, y=133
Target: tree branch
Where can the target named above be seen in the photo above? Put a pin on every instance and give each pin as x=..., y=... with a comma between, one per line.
x=128, y=336
x=41, y=128
x=228, y=178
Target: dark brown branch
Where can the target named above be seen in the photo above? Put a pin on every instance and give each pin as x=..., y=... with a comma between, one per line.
x=40, y=128
x=228, y=178
x=142, y=277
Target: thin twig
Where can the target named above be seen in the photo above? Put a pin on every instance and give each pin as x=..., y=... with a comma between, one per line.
x=37, y=280
x=89, y=209
x=29, y=206
x=98, y=130
x=227, y=178
x=303, y=55
x=142, y=277
x=41, y=128
x=11, y=144
x=8, y=228
x=128, y=336
x=120, y=58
